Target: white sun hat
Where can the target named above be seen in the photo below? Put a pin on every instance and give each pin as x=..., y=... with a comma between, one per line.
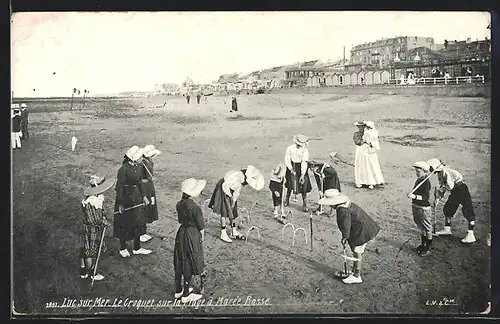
x=333, y=197
x=193, y=187
x=255, y=178
x=150, y=151
x=436, y=164
x=98, y=185
x=422, y=165
x=301, y=139
x=134, y=153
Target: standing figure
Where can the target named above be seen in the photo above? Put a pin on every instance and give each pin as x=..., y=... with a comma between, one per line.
x=24, y=121
x=198, y=98
x=326, y=177
x=297, y=178
x=357, y=229
x=224, y=200
x=234, y=104
x=94, y=223
x=188, y=250
x=16, y=128
x=188, y=97
x=130, y=202
x=421, y=208
x=367, y=167
x=276, y=185
x=149, y=152
x=452, y=181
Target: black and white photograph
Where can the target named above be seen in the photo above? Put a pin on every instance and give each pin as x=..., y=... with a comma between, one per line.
x=218, y=163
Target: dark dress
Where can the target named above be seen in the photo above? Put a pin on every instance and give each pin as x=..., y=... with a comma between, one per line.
x=222, y=204
x=188, y=250
x=305, y=187
x=129, y=192
x=151, y=210
x=24, y=124
x=331, y=180
x=234, y=105
x=355, y=225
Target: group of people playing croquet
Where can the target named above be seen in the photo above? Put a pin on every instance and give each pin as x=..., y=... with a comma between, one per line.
x=136, y=205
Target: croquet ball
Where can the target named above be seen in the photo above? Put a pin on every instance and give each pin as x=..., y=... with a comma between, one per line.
x=377, y=251
x=164, y=238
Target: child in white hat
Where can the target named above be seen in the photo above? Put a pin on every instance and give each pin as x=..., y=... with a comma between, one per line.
x=276, y=185
x=452, y=181
x=421, y=208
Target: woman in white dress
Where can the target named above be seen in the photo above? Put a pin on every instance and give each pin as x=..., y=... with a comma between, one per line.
x=366, y=165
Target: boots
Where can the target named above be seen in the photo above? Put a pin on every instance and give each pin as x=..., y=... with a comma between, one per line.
x=287, y=200
x=470, y=238
x=445, y=232
x=304, y=204
x=427, y=247
x=224, y=236
x=421, y=247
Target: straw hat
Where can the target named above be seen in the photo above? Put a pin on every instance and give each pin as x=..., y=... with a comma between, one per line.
x=150, y=151
x=134, y=153
x=436, y=164
x=333, y=197
x=300, y=139
x=98, y=185
x=370, y=124
x=255, y=179
x=193, y=187
x=279, y=170
x=422, y=165
x=23, y=105
x=359, y=123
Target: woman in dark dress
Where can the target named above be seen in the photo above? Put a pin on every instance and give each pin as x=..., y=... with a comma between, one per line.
x=151, y=210
x=297, y=177
x=326, y=178
x=188, y=250
x=129, y=203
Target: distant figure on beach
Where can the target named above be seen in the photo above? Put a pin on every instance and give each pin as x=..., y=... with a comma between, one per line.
x=188, y=97
x=198, y=97
x=234, y=105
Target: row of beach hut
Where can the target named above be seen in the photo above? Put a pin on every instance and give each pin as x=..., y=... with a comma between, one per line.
x=339, y=79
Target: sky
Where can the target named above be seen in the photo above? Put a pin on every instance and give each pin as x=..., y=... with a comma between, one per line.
x=112, y=52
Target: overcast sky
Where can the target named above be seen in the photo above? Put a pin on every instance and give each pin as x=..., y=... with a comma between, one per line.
x=113, y=52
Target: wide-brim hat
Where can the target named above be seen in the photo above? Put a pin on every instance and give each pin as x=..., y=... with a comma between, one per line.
x=370, y=124
x=193, y=187
x=99, y=185
x=300, y=139
x=333, y=197
x=359, y=123
x=255, y=178
x=134, y=153
x=422, y=165
x=150, y=150
x=435, y=164
x=279, y=170
x=23, y=105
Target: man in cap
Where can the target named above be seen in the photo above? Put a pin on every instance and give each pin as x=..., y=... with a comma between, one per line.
x=224, y=200
x=421, y=208
x=452, y=181
x=24, y=121
x=356, y=226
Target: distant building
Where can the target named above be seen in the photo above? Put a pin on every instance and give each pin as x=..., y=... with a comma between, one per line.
x=166, y=88
x=382, y=52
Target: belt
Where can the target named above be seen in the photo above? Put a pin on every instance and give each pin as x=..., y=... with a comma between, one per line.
x=133, y=186
x=423, y=207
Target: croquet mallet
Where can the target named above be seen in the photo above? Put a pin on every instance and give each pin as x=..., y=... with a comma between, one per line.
x=98, y=256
